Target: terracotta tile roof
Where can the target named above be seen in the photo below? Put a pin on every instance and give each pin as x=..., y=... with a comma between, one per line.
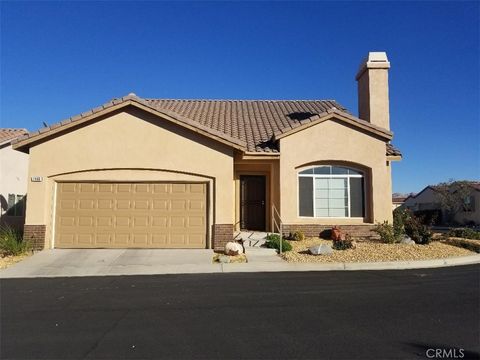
x=249, y=124
x=7, y=134
x=392, y=151
x=252, y=121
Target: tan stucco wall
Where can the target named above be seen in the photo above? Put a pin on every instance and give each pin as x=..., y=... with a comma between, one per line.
x=331, y=142
x=373, y=98
x=464, y=217
x=426, y=200
x=13, y=173
x=130, y=146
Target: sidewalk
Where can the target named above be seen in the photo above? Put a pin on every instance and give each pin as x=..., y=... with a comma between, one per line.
x=102, y=262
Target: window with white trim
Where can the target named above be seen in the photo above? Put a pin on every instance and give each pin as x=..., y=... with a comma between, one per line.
x=331, y=191
x=16, y=205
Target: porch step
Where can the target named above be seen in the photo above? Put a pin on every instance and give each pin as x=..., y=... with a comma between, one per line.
x=251, y=238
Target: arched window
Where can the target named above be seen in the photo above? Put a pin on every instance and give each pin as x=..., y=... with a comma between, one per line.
x=331, y=191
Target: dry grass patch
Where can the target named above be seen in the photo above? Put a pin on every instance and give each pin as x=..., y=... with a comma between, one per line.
x=240, y=258
x=373, y=252
x=10, y=260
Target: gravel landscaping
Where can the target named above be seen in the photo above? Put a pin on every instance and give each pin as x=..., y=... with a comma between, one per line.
x=241, y=258
x=373, y=252
x=10, y=260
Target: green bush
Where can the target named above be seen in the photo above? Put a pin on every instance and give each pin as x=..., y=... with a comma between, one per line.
x=387, y=232
x=342, y=244
x=465, y=233
x=417, y=231
x=400, y=217
x=273, y=242
x=405, y=222
x=296, y=236
x=11, y=242
x=464, y=243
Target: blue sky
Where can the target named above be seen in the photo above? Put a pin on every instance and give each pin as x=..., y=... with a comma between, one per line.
x=61, y=58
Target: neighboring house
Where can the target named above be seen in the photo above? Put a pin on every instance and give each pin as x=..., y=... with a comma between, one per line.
x=158, y=173
x=13, y=179
x=428, y=199
x=398, y=201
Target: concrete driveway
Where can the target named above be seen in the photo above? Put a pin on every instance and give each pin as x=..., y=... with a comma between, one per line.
x=86, y=262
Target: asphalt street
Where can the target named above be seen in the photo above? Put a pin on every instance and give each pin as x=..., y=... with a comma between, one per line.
x=308, y=315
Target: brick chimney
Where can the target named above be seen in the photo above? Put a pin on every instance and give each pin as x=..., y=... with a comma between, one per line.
x=372, y=78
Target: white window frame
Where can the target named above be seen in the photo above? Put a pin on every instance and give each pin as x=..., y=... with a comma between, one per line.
x=329, y=176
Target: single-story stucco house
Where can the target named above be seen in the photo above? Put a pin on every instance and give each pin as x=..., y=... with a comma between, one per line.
x=430, y=199
x=159, y=173
x=13, y=179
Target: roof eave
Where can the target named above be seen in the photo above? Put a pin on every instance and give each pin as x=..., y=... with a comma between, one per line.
x=339, y=115
x=394, y=157
x=23, y=144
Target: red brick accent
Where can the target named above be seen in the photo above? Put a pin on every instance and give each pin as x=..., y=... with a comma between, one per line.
x=359, y=232
x=36, y=235
x=222, y=233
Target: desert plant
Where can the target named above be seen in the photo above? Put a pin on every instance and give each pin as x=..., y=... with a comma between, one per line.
x=405, y=222
x=400, y=217
x=343, y=244
x=274, y=237
x=387, y=232
x=273, y=242
x=11, y=242
x=296, y=236
x=465, y=233
x=417, y=231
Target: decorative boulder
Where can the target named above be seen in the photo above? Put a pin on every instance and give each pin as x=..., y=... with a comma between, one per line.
x=337, y=234
x=233, y=248
x=407, y=241
x=323, y=249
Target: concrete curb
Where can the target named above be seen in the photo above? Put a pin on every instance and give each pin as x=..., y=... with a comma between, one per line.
x=393, y=265
x=269, y=263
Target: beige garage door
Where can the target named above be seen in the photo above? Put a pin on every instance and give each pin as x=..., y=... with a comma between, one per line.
x=131, y=215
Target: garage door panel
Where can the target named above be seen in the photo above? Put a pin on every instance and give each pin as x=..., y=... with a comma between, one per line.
x=121, y=239
x=161, y=204
x=121, y=215
x=140, y=221
x=160, y=221
x=122, y=204
x=103, y=239
x=85, y=239
x=159, y=240
x=141, y=204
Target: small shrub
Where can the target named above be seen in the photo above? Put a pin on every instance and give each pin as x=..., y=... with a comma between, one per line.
x=274, y=237
x=417, y=231
x=466, y=244
x=387, y=233
x=405, y=222
x=400, y=217
x=343, y=244
x=465, y=233
x=273, y=242
x=11, y=242
x=296, y=236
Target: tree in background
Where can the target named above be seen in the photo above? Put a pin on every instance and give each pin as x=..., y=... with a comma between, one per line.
x=453, y=196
